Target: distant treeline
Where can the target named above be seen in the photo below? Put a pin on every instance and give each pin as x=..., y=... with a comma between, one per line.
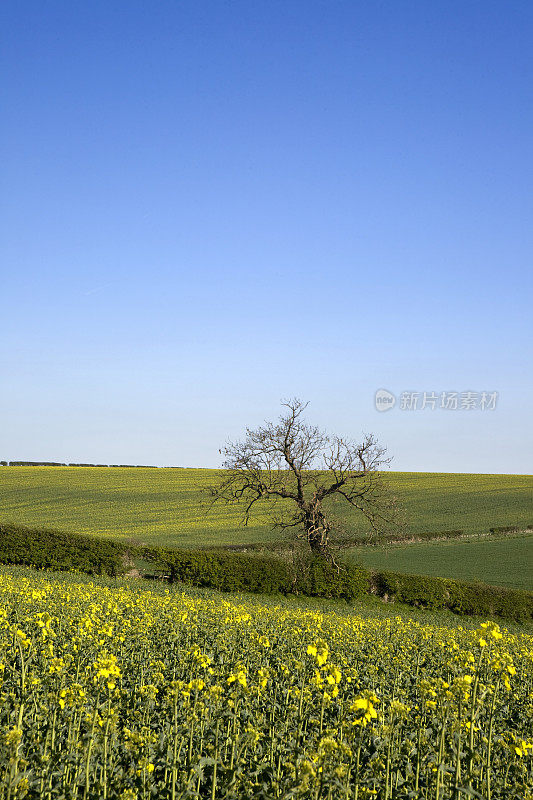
x=62, y=464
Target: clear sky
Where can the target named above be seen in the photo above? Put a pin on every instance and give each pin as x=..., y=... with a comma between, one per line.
x=208, y=206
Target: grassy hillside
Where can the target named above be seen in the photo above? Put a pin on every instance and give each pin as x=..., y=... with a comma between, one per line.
x=169, y=506
x=503, y=561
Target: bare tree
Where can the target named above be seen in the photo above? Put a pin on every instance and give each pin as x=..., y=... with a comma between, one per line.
x=293, y=468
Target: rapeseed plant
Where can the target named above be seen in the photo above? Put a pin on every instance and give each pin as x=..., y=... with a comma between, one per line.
x=124, y=694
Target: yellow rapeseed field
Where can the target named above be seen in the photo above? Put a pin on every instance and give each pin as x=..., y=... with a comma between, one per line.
x=118, y=692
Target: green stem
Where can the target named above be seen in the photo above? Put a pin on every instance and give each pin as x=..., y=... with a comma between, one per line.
x=89, y=750
x=457, y=793
x=214, y=784
x=489, y=745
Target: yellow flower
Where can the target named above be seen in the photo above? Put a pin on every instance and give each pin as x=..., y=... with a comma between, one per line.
x=399, y=709
x=364, y=709
x=106, y=667
x=13, y=737
x=320, y=652
x=263, y=677
x=238, y=677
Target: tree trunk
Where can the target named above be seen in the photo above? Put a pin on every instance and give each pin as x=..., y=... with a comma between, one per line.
x=317, y=531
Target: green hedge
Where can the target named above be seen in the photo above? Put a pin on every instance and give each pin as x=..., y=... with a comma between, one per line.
x=241, y=572
x=36, y=464
x=478, y=599
x=511, y=528
x=322, y=579
x=229, y=572
x=234, y=572
x=359, y=539
x=62, y=551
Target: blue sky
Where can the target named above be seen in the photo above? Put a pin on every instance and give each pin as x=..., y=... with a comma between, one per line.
x=207, y=207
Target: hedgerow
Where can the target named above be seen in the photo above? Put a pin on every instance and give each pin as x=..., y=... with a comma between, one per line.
x=239, y=572
x=477, y=599
x=242, y=572
x=358, y=540
x=511, y=528
x=51, y=549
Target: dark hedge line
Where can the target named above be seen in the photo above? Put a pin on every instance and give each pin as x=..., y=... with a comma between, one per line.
x=359, y=540
x=477, y=599
x=64, y=464
x=240, y=572
x=61, y=551
x=394, y=538
x=511, y=528
x=34, y=464
x=352, y=541
x=233, y=572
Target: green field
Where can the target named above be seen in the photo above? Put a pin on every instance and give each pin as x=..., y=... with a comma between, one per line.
x=503, y=561
x=170, y=506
